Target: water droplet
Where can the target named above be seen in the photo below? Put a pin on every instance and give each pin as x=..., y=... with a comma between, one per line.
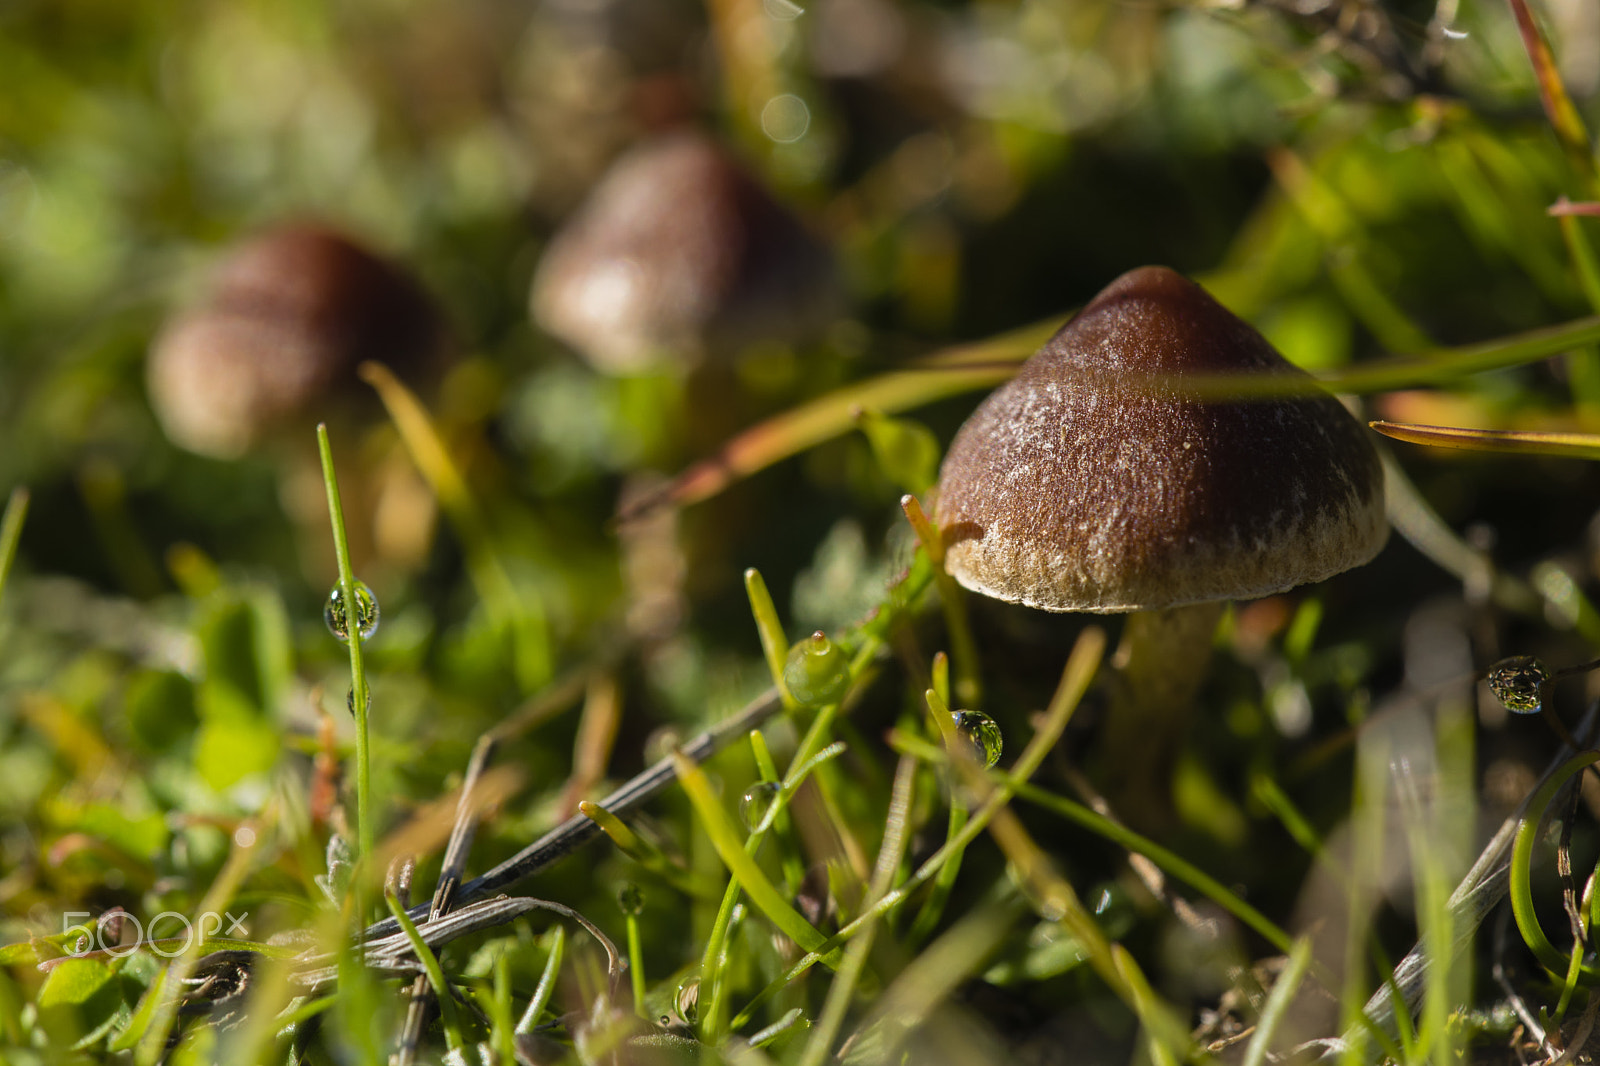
x=981, y=732
x=757, y=801
x=630, y=899
x=817, y=671
x=1114, y=909
x=338, y=619
x=350, y=701
x=687, y=1002
x=1518, y=681
x=785, y=118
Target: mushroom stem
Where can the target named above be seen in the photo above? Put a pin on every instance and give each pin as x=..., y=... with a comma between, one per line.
x=1160, y=664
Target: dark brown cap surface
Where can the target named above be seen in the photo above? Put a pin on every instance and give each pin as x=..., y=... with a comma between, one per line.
x=680, y=253
x=1086, y=484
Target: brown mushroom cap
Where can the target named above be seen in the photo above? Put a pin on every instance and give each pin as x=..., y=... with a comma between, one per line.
x=680, y=253
x=288, y=316
x=1083, y=485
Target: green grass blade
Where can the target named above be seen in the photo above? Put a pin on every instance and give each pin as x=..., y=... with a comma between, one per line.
x=547, y=981
x=11, y=532
x=1082, y=664
x=730, y=849
x=359, y=703
x=430, y=965
x=1277, y=1006
x=1169, y=861
x=774, y=642
x=1521, y=872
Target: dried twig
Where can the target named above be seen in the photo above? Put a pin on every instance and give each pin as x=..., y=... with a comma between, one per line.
x=578, y=830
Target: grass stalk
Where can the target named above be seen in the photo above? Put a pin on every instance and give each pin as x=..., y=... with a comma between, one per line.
x=635, y=964
x=774, y=642
x=1170, y=862
x=890, y=854
x=430, y=965
x=933, y=907
x=505, y=1043
x=743, y=868
x=953, y=601
x=11, y=532
x=547, y=981
x=1080, y=669
x=358, y=674
x=1277, y=1006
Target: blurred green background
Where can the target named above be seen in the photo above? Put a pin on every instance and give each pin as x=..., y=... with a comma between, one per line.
x=1357, y=179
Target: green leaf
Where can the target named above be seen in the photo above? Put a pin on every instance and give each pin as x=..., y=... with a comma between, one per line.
x=244, y=640
x=79, y=994
x=232, y=747
x=160, y=709
x=906, y=450
x=228, y=642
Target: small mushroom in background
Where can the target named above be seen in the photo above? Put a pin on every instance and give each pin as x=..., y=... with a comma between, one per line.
x=1092, y=481
x=287, y=317
x=679, y=254
x=272, y=348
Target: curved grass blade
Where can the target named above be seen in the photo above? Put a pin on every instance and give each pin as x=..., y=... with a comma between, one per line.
x=11, y=531
x=952, y=372
x=1169, y=861
x=984, y=365
x=510, y=606
x=1520, y=876
x=743, y=868
x=1505, y=441
x=430, y=965
x=1558, y=106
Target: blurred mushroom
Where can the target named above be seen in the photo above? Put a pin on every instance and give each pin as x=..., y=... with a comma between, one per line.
x=288, y=316
x=679, y=254
x=273, y=347
x=1093, y=482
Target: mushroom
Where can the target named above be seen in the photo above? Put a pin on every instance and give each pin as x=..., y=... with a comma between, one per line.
x=288, y=316
x=678, y=254
x=1094, y=481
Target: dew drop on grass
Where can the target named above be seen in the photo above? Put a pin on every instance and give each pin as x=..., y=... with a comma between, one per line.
x=980, y=731
x=1517, y=681
x=630, y=899
x=817, y=671
x=337, y=617
x=756, y=802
